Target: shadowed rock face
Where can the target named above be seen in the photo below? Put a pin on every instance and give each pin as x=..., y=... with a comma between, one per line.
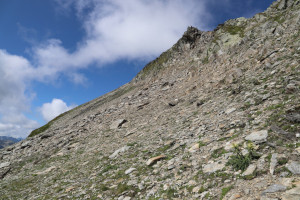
x=215, y=116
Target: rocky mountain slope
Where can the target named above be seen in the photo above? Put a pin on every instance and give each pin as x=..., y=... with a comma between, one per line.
x=217, y=116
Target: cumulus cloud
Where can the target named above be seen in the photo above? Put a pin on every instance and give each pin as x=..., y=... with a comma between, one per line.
x=51, y=110
x=14, y=72
x=117, y=29
x=114, y=29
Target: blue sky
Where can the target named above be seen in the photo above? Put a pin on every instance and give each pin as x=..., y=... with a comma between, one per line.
x=56, y=54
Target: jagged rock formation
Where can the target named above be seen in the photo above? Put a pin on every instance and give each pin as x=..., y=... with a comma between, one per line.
x=215, y=117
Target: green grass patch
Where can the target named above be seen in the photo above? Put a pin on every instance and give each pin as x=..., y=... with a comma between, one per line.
x=275, y=107
x=155, y=66
x=109, y=168
x=124, y=187
x=218, y=153
x=46, y=126
x=235, y=30
x=225, y=191
x=238, y=161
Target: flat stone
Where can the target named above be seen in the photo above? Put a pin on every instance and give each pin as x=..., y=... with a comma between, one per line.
x=249, y=170
x=294, y=167
x=261, y=163
x=273, y=163
x=194, y=148
x=171, y=167
x=5, y=164
x=128, y=171
x=196, y=189
x=286, y=182
x=258, y=136
x=274, y=188
x=230, y=110
x=293, y=194
x=121, y=150
x=213, y=167
x=25, y=144
x=117, y=124
x=47, y=170
x=153, y=160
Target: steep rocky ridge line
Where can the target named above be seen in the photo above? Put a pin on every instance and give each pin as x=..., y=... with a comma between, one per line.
x=214, y=117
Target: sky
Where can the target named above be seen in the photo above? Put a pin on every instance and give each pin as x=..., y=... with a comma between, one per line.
x=58, y=54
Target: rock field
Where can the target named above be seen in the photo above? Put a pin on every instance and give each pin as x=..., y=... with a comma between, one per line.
x=217, y=116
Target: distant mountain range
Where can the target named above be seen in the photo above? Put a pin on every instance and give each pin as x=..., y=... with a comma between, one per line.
x=6, y=141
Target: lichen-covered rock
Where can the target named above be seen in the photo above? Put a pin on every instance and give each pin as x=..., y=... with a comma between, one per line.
x=258, y=136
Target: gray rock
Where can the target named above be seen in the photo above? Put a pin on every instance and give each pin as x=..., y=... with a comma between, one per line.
x=194, y=148
x=4, y=171
x=25, y=144
x=117, y=124
x=290, y=88
x=5, y=164
x=283, y=4
x=173, y=103
x=213, y=167
x=294, y=167
x=249, y=170
x=121, y=197
x=258, y=136
x=121, y=150
x=230, y=110
x=171, y=167
x=261, y=163
x=284, y=174
x=128, y=171
x=266, y=96
x=274, y=188
x=293, y=117
x=293, y=194
x=273, y=163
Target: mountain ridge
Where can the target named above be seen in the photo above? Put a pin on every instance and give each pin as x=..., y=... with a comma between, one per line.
x=214, y=117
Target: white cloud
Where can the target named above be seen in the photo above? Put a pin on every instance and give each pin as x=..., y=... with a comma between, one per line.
x=118, y=29
x=51, y=110
x=17, y=128
x=14, y=74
